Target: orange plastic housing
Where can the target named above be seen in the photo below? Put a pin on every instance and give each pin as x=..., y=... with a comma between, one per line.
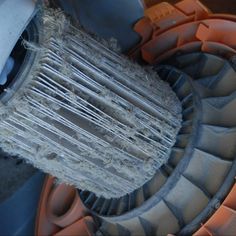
x=207, y=33
x=187, y=26
x=164, y=16
x=82, y=227
x=223, y=222
x=43, y=226
x=61, y=212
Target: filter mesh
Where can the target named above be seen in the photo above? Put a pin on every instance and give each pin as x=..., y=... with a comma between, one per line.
x=89, y=116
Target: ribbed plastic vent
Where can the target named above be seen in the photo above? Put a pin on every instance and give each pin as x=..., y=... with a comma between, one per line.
x=89, y=116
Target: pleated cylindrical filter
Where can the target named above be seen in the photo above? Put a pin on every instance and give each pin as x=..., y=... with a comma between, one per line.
x=88, y=115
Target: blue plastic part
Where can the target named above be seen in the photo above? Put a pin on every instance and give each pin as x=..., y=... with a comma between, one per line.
x=108, y=18
x=6, y=70
x=17, y=214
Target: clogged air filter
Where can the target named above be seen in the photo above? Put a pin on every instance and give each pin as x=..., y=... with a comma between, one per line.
x=86, y=114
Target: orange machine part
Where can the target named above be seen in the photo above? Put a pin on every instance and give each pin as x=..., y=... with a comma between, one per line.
x=82, y=227
x=43, y=226
x=164, y=16
x=206, y=31
x=223, y=16
x=223, y=222
x=61, y=212
x=166, y=29
x=64, y=206
x=187, y=5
